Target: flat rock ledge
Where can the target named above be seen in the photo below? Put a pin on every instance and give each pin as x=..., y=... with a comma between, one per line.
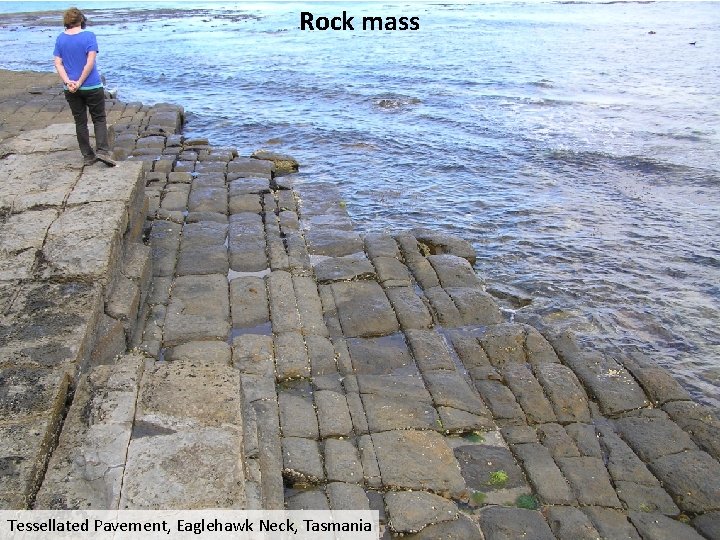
x=206, y=314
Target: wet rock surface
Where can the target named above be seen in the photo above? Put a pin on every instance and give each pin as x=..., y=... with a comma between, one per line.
x=296, y=363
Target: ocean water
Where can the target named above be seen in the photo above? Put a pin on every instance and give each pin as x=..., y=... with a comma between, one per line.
x=575, y=144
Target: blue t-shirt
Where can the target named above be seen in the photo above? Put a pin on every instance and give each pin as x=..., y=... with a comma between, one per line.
x=73, y=49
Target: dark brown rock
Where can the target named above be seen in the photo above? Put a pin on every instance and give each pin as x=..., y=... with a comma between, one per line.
x=450, y=389
x=645, y=498
x=589, y=480
x=380, y=356
x=556, y=439
x=500, y=400
x=611, y=523
x=708, y=525
x=501, y=523
x=565, y=392
x=411, y=311
x=544, y=474
x=364, y=309
x=489, y=468
x=529, y=393
x=349, y=267
x=412, y=511
x=569, y=523
x=660, y=527
x=652, y=438
x=436, y=243
x=459, y=529
x=699, y=421
x=692, y=478
x=418, y=460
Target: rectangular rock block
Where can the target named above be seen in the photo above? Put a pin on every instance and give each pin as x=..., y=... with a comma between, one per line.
x=246, y=241
x=381, y=356
x=429, y=350
x=26, y=230
x=208, y=199
x=450, y=389
x=291, y=359
x=652, y=438
x=371, y=469
x=658, y=383
x=411, y=311
x=85, y=242
x=418, y=460
x=297, y=415
x=468, y=349
x=309, y=306
x=32, y=402
x=86, y=469
x=692, y=478
x=386, y=412
x=110, y=341
x=202, y=259
x=249, y=186
x=283, y=306
x=475, y=306
x=124, y=303
x=164, y=243
x=175, y=197
x=249, y=302
x=302, y=462
x=244, y=202
x=454, y=271
x=529, y=393
x=298, y=256
x=52, y=325
x=544, y=474
x=346, y=268
x=188, y=434
x=556, y=439
x=332, y=242
x=330, y=314
x=567, y=396
x=322, y=356
x=611, y=523
x=699, y=421
x=381, y=245
x=254, y=355
x=199, y=310
x=249, y=166
x=622, y=463
x=333, y=414
x=391, y=272
x=364, y=309
x=569, y=523
x=501, y=401
x=342, y=461
x=444, y=310
x=615, y=390
x=120, y=183
x=590, y=481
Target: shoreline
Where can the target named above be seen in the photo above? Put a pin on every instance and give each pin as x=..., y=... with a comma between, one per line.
x=354, y=368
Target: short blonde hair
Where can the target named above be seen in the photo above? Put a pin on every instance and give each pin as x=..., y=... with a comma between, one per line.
x=73, y=17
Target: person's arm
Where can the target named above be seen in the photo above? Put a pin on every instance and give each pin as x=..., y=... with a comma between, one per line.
x=89, y=64
x=60, y=68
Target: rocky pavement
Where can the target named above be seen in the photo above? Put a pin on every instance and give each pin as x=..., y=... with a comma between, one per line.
x=193, y=330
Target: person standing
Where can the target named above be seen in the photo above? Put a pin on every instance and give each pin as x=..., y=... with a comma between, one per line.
x=75, y=52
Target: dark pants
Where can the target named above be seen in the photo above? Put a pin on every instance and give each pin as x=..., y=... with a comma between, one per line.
x=94, y=101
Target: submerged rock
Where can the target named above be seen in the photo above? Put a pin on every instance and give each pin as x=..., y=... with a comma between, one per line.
x=437, y=243
x=284, y=164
